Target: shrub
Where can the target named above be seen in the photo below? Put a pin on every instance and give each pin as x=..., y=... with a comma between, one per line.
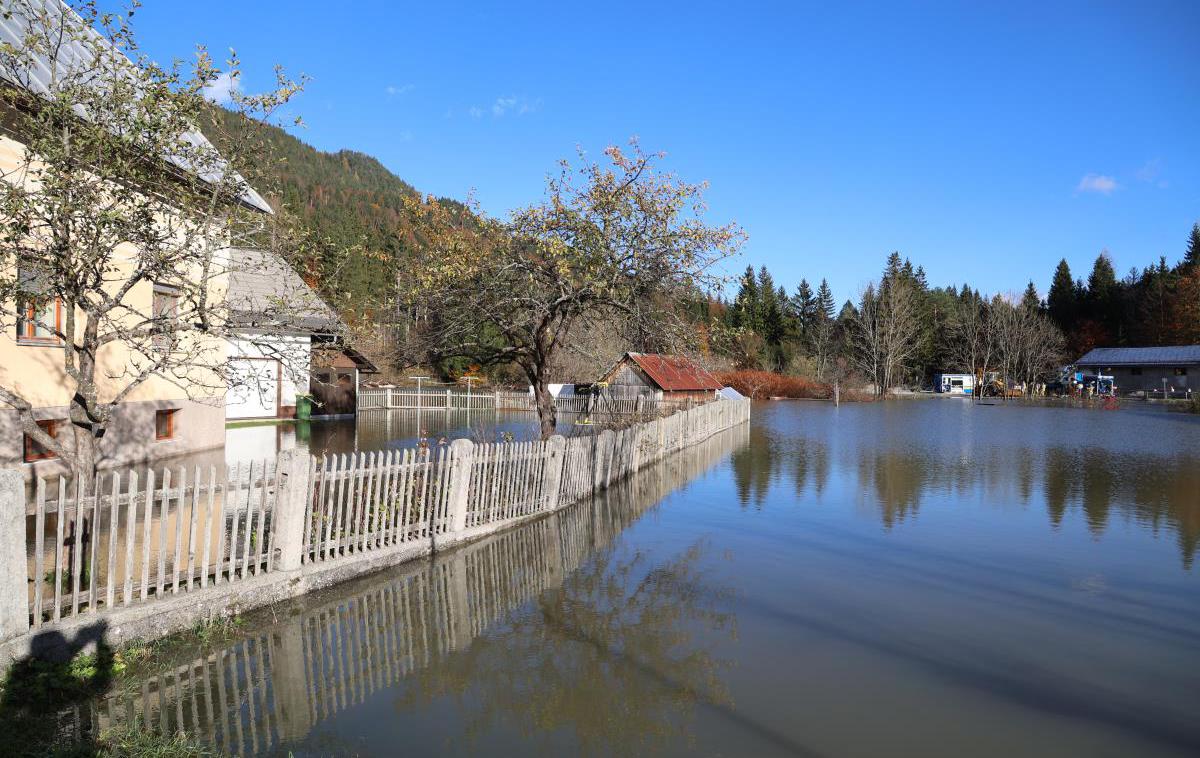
x=760, y=385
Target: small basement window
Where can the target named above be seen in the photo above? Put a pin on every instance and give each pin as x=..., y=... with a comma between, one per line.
x=34, y=450
x=165, y=427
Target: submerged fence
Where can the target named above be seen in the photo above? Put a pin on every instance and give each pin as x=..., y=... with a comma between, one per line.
x=119, y=545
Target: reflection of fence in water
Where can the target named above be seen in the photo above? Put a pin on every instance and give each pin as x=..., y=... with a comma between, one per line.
x=273, y=686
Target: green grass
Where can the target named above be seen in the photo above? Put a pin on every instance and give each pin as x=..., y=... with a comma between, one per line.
x=259, y=422
x=38, y=698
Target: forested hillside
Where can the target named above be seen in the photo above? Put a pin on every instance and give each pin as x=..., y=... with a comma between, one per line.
x=348, y=200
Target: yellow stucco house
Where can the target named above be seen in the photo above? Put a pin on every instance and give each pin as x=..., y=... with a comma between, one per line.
x=162, y=416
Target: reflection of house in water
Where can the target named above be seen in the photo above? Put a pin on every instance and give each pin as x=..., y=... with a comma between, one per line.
x=298, y=665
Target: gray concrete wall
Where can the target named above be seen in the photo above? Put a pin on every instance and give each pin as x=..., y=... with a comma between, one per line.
x=1150, y=379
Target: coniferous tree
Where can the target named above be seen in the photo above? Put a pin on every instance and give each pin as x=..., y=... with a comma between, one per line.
x=1030, y=299
x=1101, y=301
x=804, y=308
x=1192, y=255
x=1061, y=300
x=744, y=313
x=825, y=304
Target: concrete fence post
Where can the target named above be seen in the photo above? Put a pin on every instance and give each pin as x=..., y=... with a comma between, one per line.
x=388, y=398
x=462, y=454
x=14, y=591
x=295, y=494
x=556, y=457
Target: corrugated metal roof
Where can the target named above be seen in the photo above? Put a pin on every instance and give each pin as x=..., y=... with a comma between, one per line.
x=1141, y=356
x=673, y=373
x=37, y=78
x=266, y=293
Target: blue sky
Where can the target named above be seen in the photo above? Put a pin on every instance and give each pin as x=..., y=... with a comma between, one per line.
x=983, y=140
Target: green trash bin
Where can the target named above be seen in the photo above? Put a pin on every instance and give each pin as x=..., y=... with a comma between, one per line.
x=303, y=407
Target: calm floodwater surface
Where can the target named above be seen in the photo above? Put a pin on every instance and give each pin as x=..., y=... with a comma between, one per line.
x=907, y=578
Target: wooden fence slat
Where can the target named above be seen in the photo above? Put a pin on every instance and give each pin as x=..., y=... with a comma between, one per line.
x=77, y=542
x=331, y=497
x=39, y=552
x=373, y=466
x=93, y=529
x=193, y=519
x=164, y=513
x=248, y=525
x=260, y=545
x=222, y=508
x=179, y=504
x=206, y=549
x=313, y=508
x=110, y=578
x=234, y=514
x=58, y=546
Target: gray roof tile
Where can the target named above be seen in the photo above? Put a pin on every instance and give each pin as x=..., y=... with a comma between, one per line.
x=1141, y=356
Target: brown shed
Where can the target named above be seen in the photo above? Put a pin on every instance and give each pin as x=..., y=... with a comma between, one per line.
x=663, y=377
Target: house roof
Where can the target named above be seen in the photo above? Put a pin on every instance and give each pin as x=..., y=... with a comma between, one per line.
x=343, y=357
x=673, y=373
x=37, y=78
x=1141, y=356
x=266, y=294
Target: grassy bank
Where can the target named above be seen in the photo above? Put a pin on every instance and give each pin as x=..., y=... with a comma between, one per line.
x=40, y=700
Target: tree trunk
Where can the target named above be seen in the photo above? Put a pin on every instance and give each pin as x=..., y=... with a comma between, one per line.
x=547, y=413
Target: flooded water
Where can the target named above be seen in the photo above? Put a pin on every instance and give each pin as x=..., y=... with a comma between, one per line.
x=929, y=578
x=385, y=430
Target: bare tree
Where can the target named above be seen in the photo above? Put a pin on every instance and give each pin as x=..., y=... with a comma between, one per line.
x=116, y=213
x=886, y=332
x=619, y=239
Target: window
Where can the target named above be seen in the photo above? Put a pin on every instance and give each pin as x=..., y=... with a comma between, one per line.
x=40, y=319
x=1135, y=370
x=164, y=424
x=164, y=306
x=34, y=450
x=1181, y=371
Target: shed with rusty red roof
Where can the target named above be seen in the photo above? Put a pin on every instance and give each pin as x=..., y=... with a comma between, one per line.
x=669, y=377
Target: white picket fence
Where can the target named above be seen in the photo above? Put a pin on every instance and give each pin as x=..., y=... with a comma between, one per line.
x=395, y=398
x=122, y=540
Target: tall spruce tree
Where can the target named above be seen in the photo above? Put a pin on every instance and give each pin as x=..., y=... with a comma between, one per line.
x=804, y=307
x=1061, y=301
x=825, y=305
x=1192, y=255
x=1030, y=299
x=747, y=306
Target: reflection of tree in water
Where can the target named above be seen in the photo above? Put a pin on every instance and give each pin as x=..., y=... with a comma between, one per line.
x=614, y=656
x=753, y=467
x=898, y=478
x=1156, y=492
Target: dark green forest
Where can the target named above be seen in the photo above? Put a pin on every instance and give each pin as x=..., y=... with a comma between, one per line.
x=803, y=332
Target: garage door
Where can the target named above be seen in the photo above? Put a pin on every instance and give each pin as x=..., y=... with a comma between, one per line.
x=253, y=388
